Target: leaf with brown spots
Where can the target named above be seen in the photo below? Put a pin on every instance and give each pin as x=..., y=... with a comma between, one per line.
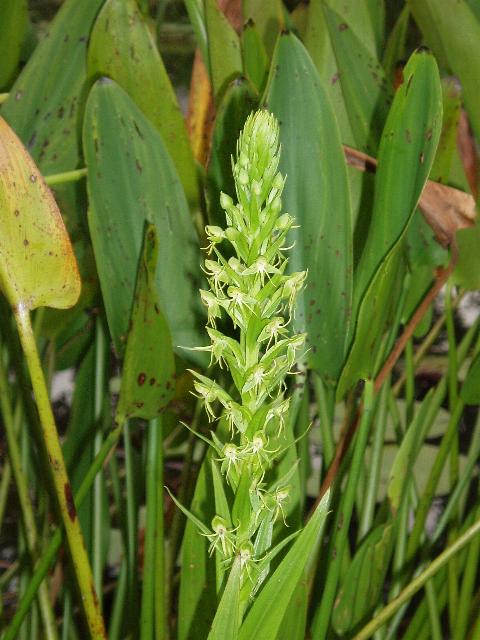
x=37, y=264
x=149, y=368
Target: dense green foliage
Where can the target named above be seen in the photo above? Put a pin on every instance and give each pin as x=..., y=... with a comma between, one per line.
x=272, y=429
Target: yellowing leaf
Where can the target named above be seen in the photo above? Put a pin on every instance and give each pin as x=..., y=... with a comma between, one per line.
x=37, y=264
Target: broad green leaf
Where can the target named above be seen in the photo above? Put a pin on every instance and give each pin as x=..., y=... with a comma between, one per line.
x=122, y=47
x=224, y=51
x=37, y=263
x=131, y=179
x=294, y=621
x=362, y=584
x=237, y=103
x=227, y=618
x=45, y=102
x=363, y=17
x=406, y=154
x=197, y=596
x=317, y=195
x=265, y=617
x=148, y=368
x=255, y=60
x=318, y=44
x=373, y=316
x=396, y=44
x=447, y=145
x=470, y=392
x=365, y=91
x=452, y=30
x=13, y=21
x=467, y=271
x=267, y=17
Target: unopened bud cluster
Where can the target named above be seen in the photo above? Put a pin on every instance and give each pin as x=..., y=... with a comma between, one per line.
x=252, y=288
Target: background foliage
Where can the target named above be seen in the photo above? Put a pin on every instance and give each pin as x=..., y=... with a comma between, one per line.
x=130, y=110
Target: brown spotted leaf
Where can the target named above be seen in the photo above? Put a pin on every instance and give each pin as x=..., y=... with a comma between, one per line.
x=148, y=370
x=37, y=264
x=446, y=209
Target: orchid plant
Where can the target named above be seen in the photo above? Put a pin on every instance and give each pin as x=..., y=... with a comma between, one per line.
x=253, y=290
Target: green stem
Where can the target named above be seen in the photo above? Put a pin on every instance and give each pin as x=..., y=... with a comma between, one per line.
x=3, y=97
x=55, y=543
x=131, y=531
x=434, y=616
x=98, y=495
x=417, y=583
x=429, y=492
x=63, y=491
x=149, y=597
x=375, y=463
x=460, y=622
x=26, y=507
x=161, y=612
x=67, y=176
x=342, y=520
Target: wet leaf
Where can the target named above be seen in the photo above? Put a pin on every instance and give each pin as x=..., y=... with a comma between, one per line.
x=37, y=263
x=149, y=367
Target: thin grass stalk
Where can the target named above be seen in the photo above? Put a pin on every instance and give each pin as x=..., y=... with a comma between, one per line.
x=26, y=507
x=342, y=520
x=476, y=629
x=426, y=344
x=98, y=493
x=116, y=617
x=417, y=583
x=154, y=458
x=49, y=554
x=454, y=452
x=375, y=463
x=433, y=611
x=131, y=532
x=80, y=561
x=160, y=601
x=67, y=616
x=428, y=494
x=409, y=382
x=460, y=622
x=66, y=177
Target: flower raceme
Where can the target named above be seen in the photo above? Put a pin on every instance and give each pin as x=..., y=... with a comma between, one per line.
x=253, y=289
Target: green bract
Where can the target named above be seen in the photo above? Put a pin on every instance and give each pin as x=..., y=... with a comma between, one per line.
x=253, y=290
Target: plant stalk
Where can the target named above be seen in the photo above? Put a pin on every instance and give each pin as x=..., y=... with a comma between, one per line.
x=63, y=491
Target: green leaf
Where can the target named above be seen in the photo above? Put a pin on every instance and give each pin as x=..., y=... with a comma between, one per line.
x=227, y=618
x=148, y=369
x=197, y=597
x=470, y=392
x=396, y=44
x=196, y=14
x=364, y=580
x=131, y=179
x=237, y=103
x=14, y=21
x=316, y=185
x=406, y=154
x=452, y=30
x=122, y=48
x=44, y=106
x=365, y=91
x=265, y=616
x=255, y=60
x=224, y=52
x=37, y=263
x=268, y=19
x=467, y=271
x=364, y=18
